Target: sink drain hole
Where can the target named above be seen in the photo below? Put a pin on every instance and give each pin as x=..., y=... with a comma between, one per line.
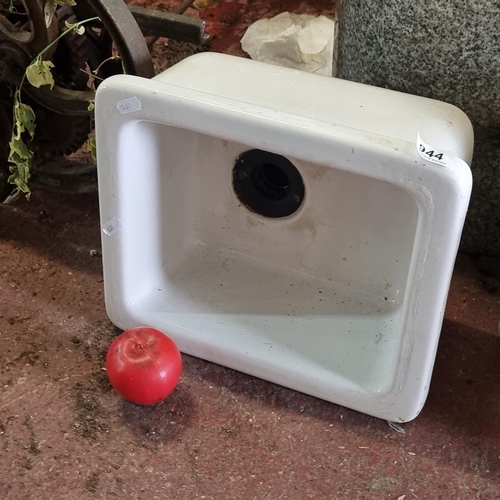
x=268, y=183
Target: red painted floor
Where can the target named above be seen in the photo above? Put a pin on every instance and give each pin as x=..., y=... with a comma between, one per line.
x=64, y=434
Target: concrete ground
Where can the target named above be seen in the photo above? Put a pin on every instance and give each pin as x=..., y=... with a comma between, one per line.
x=65, y=434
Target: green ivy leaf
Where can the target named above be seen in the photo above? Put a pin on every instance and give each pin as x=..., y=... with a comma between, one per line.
x=25, y=119
x=48, y=11
x=91, y=147
x=79, y=29
x=20, y=175
x=15, y=157
x=20, y=179
x=39, y=73
x=20, y=155
x=14, y=196
x=19, y=151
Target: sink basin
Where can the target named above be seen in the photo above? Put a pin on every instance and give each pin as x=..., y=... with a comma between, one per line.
x=291, y=226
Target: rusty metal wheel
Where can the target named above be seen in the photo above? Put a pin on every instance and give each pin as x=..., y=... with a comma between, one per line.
x=63, y=118
x=116, y=23
x=64, y=108
x=22, y=23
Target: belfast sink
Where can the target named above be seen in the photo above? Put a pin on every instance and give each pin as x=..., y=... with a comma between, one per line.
x=299, y=228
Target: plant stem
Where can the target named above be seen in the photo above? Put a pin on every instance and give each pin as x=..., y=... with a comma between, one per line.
x=51, y=44
x=16, y=127
x=64, y=33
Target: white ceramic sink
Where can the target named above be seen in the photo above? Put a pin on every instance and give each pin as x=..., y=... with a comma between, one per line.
x=284, y=224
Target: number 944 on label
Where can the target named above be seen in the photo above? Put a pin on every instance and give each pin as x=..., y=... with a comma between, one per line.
x=432, y=154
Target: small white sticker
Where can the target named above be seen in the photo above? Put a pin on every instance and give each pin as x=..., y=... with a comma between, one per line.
x=434, y=155
x=111, y=226
x=130, y=105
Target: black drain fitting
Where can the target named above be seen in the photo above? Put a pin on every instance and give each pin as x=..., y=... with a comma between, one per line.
x=267, y=183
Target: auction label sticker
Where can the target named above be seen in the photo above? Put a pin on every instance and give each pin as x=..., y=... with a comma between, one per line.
x=112, y=226
x=130, y=105
x=434, y=155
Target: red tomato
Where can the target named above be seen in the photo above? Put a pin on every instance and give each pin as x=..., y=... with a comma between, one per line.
x=143, y=365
